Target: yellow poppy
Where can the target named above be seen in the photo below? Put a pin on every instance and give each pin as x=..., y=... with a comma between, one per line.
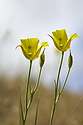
x=61, y=40
x=31, y=48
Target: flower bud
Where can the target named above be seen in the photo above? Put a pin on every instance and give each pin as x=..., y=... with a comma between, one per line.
x=70, y=60
x=42, y=59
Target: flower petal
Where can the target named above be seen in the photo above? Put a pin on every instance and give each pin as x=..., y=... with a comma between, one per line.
x=72, y=37
x=34, y=44
x=56, y=41
x=27, y=54
x=60, y=35
x=30, y=44
x=43, y=45
x=29, y=47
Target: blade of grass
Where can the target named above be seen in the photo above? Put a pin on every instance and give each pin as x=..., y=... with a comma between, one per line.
x=36, y=114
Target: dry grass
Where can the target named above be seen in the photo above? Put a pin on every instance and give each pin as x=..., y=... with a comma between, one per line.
x=69, y=111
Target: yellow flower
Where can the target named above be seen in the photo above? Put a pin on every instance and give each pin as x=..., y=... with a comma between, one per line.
x=31, y=48
x=61, y=40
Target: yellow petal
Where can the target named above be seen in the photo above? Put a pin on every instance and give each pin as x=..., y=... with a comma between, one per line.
x=60, y=35
x=30, y=44
x=34, y=44
x=27, y=54
x=29, y=47
x=43, y=45
x=60, y=39
x=56, y=41
x=72, y=37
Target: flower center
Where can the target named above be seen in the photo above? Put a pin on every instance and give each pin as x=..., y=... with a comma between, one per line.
x=60, y=39
x=29, y=47
x=60, y=42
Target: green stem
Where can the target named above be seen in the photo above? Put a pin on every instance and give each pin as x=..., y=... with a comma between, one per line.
x=32, y=94
x=59, y=71
x=36, y=87
x=58, y=96
x=65, y=82
x=21, y=113
x=28, y=83
x=56, y=90
x=27, y=89
x=36, y=114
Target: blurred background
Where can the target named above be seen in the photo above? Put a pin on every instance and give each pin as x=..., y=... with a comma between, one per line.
x=38, y=18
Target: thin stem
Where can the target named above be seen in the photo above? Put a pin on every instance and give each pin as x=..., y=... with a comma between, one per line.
x=56, y=90
x=58, y=96
x=28, y=82
x=21, y=120
x=27, y=110
x=59, y=71
x=36, y=87
x=27, y=89
x=36, y=114
x=21, y=113
x=32, y=95
x=65, y=82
